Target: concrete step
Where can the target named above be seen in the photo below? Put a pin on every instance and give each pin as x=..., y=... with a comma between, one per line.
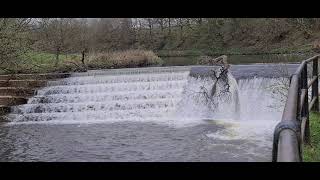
x=22, y=83
x=12, y=100
x=16, y=91
x=34, y=76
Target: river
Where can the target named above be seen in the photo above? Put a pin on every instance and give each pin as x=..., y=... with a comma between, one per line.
x=140, y=115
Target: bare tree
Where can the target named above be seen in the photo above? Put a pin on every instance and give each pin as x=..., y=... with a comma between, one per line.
x=82, y=36
x=150, y=26
x=219, y=77
x=14, y=41
x=81, y=43
x=169, y=25
x=56, y=35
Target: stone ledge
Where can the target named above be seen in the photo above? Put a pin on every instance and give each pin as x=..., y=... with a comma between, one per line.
x=22, y=83
x=16, y=91
x=12, y=100
x=34, y=76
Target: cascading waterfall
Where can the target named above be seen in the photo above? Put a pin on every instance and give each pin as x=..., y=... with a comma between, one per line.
x=105, y=98
x=198, y=102
x=262, y=98
x=261, y=103
x=238, y=123
x=155, y=94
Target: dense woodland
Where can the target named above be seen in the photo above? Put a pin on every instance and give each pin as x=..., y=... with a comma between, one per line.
x=64, y=36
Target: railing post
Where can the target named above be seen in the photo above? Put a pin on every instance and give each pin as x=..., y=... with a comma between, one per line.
x=305, y=106
x=315, y=85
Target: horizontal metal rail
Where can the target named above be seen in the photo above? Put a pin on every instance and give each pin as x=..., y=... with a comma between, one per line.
x=293, y=130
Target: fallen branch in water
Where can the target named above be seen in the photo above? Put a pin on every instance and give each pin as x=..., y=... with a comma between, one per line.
x=218, y=77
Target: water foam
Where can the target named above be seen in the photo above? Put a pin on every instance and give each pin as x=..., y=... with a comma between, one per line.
x=260, y=111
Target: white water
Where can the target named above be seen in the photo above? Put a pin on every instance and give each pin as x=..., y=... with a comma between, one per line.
x=168, y=96
x=107, y=97
x=260, y=110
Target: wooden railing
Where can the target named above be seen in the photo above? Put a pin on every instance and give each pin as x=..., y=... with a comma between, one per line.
x=293, y=130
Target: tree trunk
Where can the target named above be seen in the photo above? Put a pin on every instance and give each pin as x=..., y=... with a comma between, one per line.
x=150, y=31
x=84, y=51
x=161, y=25
x=181, y=27
x=82, y=59
x=57, y=57
x=169, y=26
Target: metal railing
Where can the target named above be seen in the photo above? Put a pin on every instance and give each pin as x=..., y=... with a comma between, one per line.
x=293, y=130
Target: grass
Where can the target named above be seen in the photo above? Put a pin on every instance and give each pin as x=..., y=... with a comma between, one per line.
x=48, y=58
x=41, y=62
x=312, y=153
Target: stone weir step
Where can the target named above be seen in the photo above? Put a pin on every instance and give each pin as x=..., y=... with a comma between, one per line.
x=23, y=83
x=17, y=88
x=34, y=76
x=12, y=100
x=16, y=91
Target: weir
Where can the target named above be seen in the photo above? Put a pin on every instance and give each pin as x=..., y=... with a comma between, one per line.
x=156, y=94
x=170, y=96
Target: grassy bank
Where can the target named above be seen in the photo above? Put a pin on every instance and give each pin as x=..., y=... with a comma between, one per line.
x=40, y=62
x=312, y=153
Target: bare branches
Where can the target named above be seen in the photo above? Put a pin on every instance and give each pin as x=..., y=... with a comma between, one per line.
x=279, y=88
x=219, y=78
x=13, y=41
